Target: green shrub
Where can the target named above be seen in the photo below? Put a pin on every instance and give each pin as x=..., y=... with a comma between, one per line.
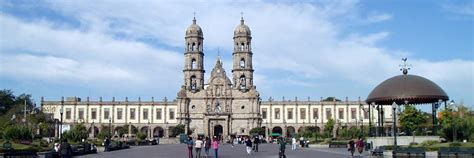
x=18, y=133
x=428, y=143
x=141, y=136
x=327, y=141
x=413, y=144
x=454, y=144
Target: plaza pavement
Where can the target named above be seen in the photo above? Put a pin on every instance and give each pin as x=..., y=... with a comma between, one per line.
x=225, y=151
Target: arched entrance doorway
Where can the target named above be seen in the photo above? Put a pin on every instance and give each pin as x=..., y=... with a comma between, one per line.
x=144, y=130
x=276, y=131
x=96, y=131
x=158, y=132
x=218, y=131
x=290, y=131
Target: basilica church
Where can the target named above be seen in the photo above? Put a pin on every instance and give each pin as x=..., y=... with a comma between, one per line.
x=217, y=106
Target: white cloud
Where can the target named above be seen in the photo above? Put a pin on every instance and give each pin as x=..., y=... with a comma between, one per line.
x=465, y=9
x=301, y=40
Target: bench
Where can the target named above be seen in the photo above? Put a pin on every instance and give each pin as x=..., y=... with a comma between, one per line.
x=410, y=152
x=456, y=152
x=378, y=151
x=20, y=153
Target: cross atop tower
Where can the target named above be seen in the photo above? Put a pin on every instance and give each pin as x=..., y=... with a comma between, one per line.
x=405, y=67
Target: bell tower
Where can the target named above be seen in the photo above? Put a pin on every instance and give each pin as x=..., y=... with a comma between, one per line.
x=242, y=70
x=193, y=58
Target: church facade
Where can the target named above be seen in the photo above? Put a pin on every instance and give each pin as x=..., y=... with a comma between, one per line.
x=219, y=106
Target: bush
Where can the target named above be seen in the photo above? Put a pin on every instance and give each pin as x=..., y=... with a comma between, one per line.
x=257, y=130
x=141, y=136
x=327, y=141
x=18, y=133
x=413, y=144
x=428, y=143
x=454, y=144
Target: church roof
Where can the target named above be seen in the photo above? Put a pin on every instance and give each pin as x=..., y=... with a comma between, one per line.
x=218, y=75
x=242, y=29
x=194, y=29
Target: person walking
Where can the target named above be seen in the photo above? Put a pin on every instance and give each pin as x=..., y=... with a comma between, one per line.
x=65, y=149
x=302, y=141
x=293, y=143
x=351, y=147
x=106, y=144
x=207, y=146
x=198, y=146
x=360, y=146
x=256, y=141
x=248, y=145
x=190, y=147
x=215, y=146
x=281, y=154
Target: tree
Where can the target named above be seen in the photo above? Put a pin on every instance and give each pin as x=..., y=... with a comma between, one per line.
x=257, y=130
x=329, y=127
x=179, y=129
x=411, y=118
x=460, y=120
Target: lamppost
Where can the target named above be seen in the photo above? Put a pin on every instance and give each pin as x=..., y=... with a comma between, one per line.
x=149, y=132
x=394, y=106
x=93, y=129
x=455, y=108
x=61, y=124
x=110, y=126
x=435, y=122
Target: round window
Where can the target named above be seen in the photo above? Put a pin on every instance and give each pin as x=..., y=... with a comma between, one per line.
x=242, y=107
x=193, y=107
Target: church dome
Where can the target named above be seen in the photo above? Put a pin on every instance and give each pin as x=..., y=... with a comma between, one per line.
x=194, y=29
x=412, y=88
x=242, y=29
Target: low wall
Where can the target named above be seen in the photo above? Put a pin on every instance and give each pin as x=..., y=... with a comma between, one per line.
x=401, y=140
x=169, y=140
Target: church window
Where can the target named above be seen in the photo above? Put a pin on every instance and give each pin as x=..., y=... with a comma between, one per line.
x=171, y=114
x=106, y=113
x=194, y=47
x=119, y=113
x=242, y=46
x=199, y=47
x=68, y=113
x=277, y=113
x=264, y=113
x=341, y=113
x=302, y=114
x=366, y=113
x=145, y=114
x=242, y=63
x=158, y=114
x=132, y=113
x=193, y=107
x=242, y=82
x=242, y=130
x=290, y=113
x=242, y=107
x=93, y=113
x=193, y=83
x=328, y=113
x=353, y=113
x=81, y=113
x=315, y=113
x=193, y=64
x=189, y=47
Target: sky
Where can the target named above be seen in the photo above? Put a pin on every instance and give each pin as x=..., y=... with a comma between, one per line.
x=116, y=48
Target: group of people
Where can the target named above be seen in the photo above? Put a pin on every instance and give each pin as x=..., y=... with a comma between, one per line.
x=201, y=143
x=64, y=149
x=294, y=143
x=359, y=144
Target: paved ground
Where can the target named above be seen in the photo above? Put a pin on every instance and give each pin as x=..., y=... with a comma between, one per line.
x=225, y=151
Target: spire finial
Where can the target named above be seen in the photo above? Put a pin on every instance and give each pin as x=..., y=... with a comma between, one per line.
x=241, y=18
x=405, y=67
x=218, y=54
x=194, y=18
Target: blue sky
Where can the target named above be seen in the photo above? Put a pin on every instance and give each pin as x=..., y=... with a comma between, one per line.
x=310, y=48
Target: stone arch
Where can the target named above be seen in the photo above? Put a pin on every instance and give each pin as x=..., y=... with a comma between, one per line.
x=242, y=82
x=120, y=130
x=290, y=131
x=300, y=130
x=96, y=131
x=158, y=132
x=145, y=130
x=277, y=129
x=193, y=63
x=242, y=63
x=170, y=131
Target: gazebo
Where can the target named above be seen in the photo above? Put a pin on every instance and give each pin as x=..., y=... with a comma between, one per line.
x=406, y=89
